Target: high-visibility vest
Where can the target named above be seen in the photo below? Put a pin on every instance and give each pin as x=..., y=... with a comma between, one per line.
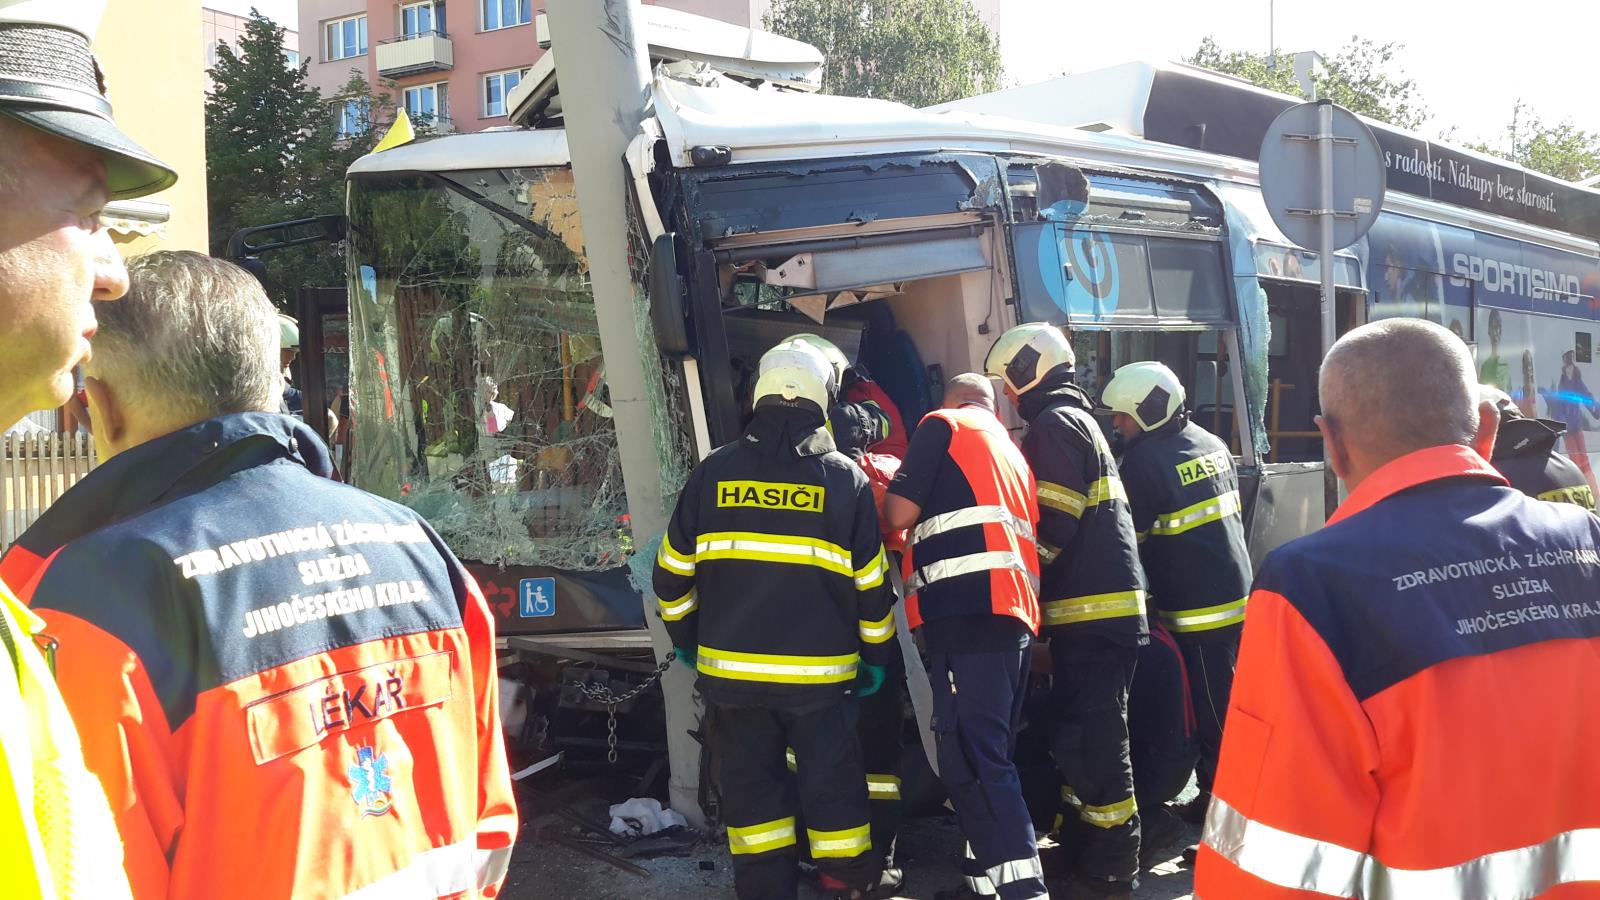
x=1004, y=507
x=57, y=836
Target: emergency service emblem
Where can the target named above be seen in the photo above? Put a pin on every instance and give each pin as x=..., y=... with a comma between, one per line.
x=370, y=783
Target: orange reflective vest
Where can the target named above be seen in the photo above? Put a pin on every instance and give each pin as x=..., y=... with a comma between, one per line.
x=1005, y=511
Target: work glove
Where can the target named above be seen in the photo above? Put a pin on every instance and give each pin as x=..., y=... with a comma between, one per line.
x=685, y=655
x=868, y=680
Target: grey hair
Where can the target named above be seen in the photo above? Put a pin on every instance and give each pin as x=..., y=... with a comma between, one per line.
x=1400, y=385
x=194, y=338
x=969, y=387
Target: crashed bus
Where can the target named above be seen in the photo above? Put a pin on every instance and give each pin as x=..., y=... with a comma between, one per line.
x=1122, y=205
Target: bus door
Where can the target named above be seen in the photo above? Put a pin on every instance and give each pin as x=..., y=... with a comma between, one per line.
x=1294, y=357
x=324, y=367
x=900, y=260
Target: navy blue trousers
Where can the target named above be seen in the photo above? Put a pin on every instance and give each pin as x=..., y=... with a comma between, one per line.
x=977, y=708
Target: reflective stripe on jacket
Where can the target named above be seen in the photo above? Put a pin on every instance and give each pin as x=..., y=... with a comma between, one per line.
x=1092, y=583
x=1410, y=714
x=773, y=571
x=1184, y=494
x=1005, y=512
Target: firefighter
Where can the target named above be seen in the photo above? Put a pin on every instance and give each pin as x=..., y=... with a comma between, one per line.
x=854, y=385
x=1184, y=494
x=1411, y=715
x=880, y=720
x=1525, y=453
x=272, y=673
x=62, y=158
x=1092, y=594
x=867, y=428
x=971, y=573
x=771, y=582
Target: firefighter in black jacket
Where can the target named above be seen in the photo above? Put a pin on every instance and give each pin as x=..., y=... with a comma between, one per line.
x=771, y=581
x=1185, y=496
x=1524, y=452
x=1092, y=599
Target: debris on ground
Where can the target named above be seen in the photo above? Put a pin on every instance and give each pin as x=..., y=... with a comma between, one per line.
x=642, y=817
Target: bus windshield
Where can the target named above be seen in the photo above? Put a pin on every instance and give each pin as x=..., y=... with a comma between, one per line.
x=477, y=375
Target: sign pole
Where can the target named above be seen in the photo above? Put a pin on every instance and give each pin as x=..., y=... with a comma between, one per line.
x=1321, y=206
x=1330, y=301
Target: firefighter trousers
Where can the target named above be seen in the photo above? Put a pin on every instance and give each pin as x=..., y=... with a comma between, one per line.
x=1089, y=699
x=977, y=707
x=880, y=723
x=1210, y=666
x=760, y=802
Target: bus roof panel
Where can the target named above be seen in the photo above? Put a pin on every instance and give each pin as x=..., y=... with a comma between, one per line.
x=510, y=149
x=1186, y=106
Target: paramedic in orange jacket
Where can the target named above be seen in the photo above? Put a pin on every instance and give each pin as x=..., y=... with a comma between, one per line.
x=1411, y=710
x=286, y=685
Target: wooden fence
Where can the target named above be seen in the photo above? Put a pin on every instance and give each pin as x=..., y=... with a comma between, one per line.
x=35, y=469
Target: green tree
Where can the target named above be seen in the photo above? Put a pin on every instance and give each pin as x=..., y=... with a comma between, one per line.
x=274, y=151
x=1562, y=150
x=1256, y=68
x=917, y=52
x=1363, y=77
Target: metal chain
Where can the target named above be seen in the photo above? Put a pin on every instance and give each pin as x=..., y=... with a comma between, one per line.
x=601, y=693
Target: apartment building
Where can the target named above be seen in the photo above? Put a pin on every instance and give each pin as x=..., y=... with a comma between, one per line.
x=452, y=62
x=218, y=27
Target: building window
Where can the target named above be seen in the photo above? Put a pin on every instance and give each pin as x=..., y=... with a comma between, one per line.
x=427, y=104
x=354, y=116
x=345, y=38
x=497, y=89
x=291, y=59
x=419, y=19
x=505, y=13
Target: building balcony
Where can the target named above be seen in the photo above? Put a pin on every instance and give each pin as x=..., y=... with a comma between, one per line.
x=413, y=54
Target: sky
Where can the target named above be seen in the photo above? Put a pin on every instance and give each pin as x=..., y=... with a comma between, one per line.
x=1472, y=59
x=284, y=12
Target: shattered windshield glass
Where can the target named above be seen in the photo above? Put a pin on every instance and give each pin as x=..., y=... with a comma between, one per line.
x=476, y=368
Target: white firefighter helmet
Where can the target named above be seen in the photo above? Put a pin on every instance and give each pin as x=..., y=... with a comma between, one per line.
x=1022, y=356
x=1148, y=392
x=796, y=370
x=831, y=352
x=288, y=333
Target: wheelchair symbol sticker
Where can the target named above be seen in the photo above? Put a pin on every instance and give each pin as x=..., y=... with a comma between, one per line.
x=538, y=598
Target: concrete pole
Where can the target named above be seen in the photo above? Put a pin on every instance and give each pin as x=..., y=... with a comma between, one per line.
x=603, y=67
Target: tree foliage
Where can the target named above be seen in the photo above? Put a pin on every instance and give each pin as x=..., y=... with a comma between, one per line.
x=917, y=52
x=274, y=152
x=1363, y=77
x=1561, y=150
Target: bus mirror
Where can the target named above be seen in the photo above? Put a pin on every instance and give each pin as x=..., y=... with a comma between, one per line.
x=666, y=297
